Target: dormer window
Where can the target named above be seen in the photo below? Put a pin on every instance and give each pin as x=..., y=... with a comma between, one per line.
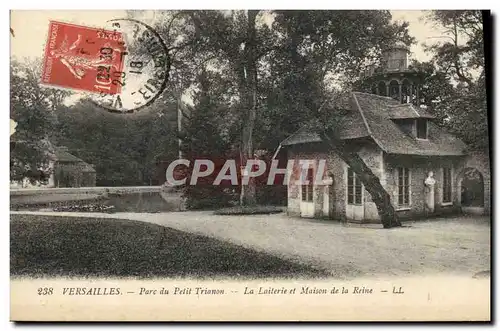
x=422, y=128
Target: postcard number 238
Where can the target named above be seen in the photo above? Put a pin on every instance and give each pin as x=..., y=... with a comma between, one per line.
x=45, y=291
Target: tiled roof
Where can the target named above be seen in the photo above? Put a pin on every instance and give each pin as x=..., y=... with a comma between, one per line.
x=62, y=155
x=393, y=140
x=302, y=136
x=351, y=126
x=373, y=115
x=406, y=110
x=85, y=167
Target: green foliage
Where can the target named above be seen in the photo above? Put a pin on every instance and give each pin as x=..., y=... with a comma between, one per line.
x=249, y=210
x=315, y=54
x=460, y=108
x=470, y=117
x=202, y=139
x=462, y=50
x=48, y=246
x=454, y=89
x=126, y=150
x=303, y=60
x=32, y=107
x=279, y=65
x=297, y=54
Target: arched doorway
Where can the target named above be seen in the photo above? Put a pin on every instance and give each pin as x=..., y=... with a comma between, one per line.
x=472, y=191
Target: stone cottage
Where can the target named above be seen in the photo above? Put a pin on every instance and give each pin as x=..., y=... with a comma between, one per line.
x=67, y=170
x=425, y=169
x=70, y=171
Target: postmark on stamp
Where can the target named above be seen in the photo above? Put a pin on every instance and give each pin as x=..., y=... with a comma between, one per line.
x=123, y=67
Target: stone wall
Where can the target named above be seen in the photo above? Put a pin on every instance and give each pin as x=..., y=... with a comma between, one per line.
x=313, y=152
x=384, y=166
x=481, y=162
x=419, y=170
x=297, y=153
x=337, y=169
x=72, y=175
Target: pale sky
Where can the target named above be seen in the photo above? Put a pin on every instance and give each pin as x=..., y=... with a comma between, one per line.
x=418, y=29
x=30, y=28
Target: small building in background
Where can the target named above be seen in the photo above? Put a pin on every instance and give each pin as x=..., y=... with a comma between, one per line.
x=70, y=171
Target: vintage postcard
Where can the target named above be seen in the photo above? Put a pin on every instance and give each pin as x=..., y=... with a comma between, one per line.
x=250, y=165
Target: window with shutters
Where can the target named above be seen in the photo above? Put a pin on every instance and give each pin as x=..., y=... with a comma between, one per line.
x=354, y=188
x=307, y=189
x=404, y=187
x=446, y=185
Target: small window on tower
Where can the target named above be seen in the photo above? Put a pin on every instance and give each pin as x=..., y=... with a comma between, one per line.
x=422, y=128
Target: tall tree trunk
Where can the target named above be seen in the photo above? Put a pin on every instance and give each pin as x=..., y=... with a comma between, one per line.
x=372, y=184
x=248, y=87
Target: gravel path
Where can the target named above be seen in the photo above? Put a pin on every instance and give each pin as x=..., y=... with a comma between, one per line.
x=459, y=245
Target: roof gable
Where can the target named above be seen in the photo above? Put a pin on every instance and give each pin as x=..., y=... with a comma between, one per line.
x=62, y=155
x=372, y=116
x=392, y=139
x=388, y=107
x=351, y=126
x=405, y=111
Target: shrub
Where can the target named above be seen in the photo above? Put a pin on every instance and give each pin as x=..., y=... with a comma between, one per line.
x=249, y=210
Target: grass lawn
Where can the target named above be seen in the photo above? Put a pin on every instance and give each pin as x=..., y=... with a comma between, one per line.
x=138, y=202
x=91, y=247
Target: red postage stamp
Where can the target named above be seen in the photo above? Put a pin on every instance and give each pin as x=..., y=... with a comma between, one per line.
x=84, y=58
